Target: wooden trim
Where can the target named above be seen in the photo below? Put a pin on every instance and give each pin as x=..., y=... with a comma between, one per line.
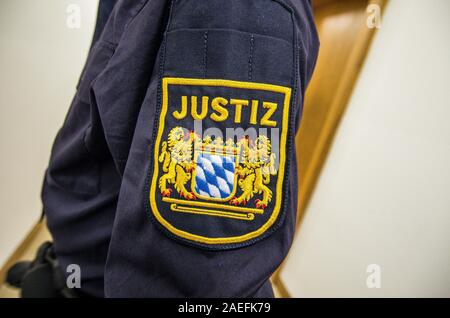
x=280, y=287
x=319, y=3
x=339, y=104
x=23, y=246
x=343, y=95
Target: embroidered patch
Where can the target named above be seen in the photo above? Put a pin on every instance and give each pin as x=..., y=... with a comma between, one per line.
x=219, y=160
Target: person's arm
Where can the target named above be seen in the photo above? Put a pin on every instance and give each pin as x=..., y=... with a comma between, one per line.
x=202, y=213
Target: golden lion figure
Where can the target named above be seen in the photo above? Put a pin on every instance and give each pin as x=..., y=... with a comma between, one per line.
x=258, y=164
x=177, y=163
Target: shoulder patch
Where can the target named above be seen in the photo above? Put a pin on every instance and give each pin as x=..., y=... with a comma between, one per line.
x=219, y=160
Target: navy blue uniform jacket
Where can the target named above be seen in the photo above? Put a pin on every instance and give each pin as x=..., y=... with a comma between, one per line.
x=146, y=203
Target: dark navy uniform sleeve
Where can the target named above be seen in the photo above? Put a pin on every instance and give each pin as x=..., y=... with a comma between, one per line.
x=187, y=160
x=84, y=176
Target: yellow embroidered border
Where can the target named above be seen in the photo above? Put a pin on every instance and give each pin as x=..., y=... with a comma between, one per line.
x=232, y=84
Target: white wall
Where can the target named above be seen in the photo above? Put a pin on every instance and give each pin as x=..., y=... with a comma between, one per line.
x=40, y=62
x=384, y=194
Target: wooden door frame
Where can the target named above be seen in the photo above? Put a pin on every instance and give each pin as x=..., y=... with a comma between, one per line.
x=338, y=106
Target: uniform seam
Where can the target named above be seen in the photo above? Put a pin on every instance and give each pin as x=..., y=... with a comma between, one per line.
x=250, y=60
x=132, y=17
x=276, y=38
x=205, y=54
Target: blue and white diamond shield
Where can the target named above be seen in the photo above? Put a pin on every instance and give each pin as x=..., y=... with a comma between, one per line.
x=214, y=176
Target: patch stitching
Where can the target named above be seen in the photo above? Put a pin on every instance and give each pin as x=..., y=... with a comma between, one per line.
x=205, y=54
x=280, y=182
x=250, y=59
